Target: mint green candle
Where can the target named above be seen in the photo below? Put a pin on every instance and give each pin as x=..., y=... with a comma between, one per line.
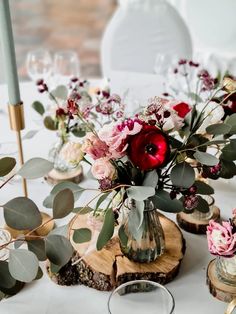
x=9, y=57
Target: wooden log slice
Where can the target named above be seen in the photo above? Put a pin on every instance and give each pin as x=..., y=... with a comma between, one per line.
x=54, y=176
x=217, y=288
x=108, y=268
x=188, y=223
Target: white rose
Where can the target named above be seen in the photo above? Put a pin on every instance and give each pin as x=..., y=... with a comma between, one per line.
x=102, y=168
x=72, y=153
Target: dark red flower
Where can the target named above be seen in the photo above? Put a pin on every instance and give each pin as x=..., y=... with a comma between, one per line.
x=182, y=109
x=149, y=149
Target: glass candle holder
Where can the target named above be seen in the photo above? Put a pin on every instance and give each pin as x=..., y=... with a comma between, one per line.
x=139, y=297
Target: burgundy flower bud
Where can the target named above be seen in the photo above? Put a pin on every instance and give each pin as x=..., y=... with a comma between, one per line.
x=74, y=79
x=60, y=112
x=193, y=64
x=105, y=94
x=39, y=82
x=98, y=108
x=192, y=189
x=166, y=114
x=81, y=84
x=190, y=202
x=45, y=87
x=165, y=94
x=41, y=90
x=176, y=71
x=182, y=61
x=152, y=122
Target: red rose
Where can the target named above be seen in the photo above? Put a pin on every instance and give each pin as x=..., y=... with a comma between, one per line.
x=182, y=109
x=149, y=149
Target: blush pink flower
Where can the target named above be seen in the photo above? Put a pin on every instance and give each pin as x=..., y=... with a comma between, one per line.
x=94, y=147
x=221, y=239
x=102, y=168
x=116, y=134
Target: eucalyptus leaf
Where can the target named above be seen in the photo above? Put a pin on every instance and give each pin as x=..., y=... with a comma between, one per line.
x=107, y=229
x=228, y=169
x=101, y=199
x=135, y=219
x=195, y=97
x=162, y=201
x=38, y=248
x=63, y=204
x=78, y=132
x=123, y=236
x=54, y=268
x=82, y=235
x=60, y=92
x=30, y=134
x=58, y=249
x=50, y=124
x=21, y=213
x=38, y=107
x=205, y=158
x=231, y=120
x=20, y=240
x=62, y=230
x=75, y=188
x=151, y=179
x=39, y=274
x=6, y=280
x=7, y=164
x=13, y=290
x=229, y=151
x=35, y=168
x=23, y=265
x=182, y=175
x=203, y=188
x=140, y=193
x=219, y=128
x=203, y=205
x=83, y=210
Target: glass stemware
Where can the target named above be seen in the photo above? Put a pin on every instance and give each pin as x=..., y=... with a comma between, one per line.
x=141, y=296
x=66, y=65
x=39, y=64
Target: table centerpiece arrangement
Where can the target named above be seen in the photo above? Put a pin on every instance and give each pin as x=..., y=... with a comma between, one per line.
x=145, y=163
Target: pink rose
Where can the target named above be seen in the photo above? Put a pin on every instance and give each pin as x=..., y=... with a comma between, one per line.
x=94, y=147
x=115, y=135
x=221, y=239
x=102, y=168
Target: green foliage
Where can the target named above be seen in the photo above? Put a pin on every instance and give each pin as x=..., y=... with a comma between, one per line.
x=60, y=92
x=30, y=134
x=83, y=210
x=38, y=107
x=62, y=230
x=7, y=281
x=75, y=188
x=218, y=129
x=203, y=205
x=23, y=265
x=140, y=193
x=203, y=188
x=107, y=229
x=50, y=124
x=205, y=158
x=82, y=235
x=35, y=168
x=228, y=169
x=151, y=179
x=63, y=203
x=162, y=201
x=21, y=213
x=58, y=249
x=229, y=151
x=182, y=175
x=37, y=246
x=6, y=165
x=123, y=236
x=101, y=199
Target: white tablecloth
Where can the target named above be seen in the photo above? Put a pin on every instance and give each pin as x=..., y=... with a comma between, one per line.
x=44, y=297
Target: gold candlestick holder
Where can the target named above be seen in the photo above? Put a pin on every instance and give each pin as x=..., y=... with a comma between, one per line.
x=17, y=123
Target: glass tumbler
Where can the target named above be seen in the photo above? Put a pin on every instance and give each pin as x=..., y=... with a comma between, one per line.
x=139, y=297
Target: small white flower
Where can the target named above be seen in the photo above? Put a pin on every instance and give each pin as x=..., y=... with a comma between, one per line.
x=72, y=153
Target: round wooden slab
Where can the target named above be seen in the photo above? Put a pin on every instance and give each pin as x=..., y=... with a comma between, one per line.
x=218, y=289
x=191, y=224
x=54, y=176
x=108, y=268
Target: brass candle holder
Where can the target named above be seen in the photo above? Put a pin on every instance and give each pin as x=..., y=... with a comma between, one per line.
x=17, y=123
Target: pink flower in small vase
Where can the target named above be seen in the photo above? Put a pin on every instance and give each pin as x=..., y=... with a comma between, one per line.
x=102, y=168
x=94, y=147
x=221, y=239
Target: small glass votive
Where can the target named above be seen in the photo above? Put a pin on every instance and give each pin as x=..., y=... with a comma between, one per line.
x=139, y=297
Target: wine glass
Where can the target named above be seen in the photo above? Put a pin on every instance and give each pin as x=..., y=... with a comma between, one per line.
x=39, y=64
x=66, y=65
x=141, y=296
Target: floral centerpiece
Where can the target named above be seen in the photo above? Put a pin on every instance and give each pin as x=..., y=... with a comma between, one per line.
x=143, y=164
x=222, y=243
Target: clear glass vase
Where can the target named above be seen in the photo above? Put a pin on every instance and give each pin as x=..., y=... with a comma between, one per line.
x=54, y=153
x=201, y=216
x=151, y=244
x=226, y=269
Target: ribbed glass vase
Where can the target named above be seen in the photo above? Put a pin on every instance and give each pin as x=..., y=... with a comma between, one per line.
x=151, y=244
x=226, y=269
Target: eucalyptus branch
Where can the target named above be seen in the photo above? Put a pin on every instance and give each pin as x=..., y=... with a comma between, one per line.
x=5, y=182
